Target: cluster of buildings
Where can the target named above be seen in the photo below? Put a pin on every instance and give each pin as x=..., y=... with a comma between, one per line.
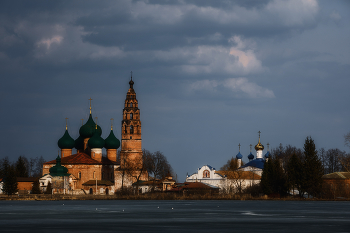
x=245, y=175
x=89, y=172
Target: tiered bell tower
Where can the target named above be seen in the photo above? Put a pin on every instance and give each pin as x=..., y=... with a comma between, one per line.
x=131, y=151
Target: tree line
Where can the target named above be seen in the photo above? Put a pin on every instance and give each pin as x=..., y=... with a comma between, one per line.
x=291, y=169
x=22, y=167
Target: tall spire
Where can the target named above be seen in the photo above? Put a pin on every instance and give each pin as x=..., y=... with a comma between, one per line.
x=239, y=156
x=90, y=105
x=131, y=83
x=259, y=146
x=112, y=123
x=66, y=124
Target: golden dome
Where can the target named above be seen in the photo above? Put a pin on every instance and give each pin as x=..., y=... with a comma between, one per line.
x=259, y=146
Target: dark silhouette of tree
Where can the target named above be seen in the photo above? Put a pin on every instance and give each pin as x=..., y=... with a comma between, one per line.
x=10, y=180
x=31, y=166
x=279, y=182
x=39, y=167
x=312, y=169
x=334, y=160
x=294, y=171
x=267, y=177
x=36, y=187
x=156, y=164
x=347, y=139
x=48, y=188
x=273, y=178
x=21, y=167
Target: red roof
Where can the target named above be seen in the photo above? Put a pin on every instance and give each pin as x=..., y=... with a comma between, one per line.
x=82, y=158
x=244, y=175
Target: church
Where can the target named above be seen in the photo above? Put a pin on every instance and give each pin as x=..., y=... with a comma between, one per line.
x=89, y=171
x=246, y=175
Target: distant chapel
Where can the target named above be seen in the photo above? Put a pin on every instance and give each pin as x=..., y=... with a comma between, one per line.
x=90, y=172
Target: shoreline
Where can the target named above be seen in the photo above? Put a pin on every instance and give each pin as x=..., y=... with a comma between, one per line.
x=162, y=196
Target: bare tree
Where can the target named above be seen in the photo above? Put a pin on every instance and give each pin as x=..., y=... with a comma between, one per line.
x=234, y=176
x=347, y=139
x=157, y=164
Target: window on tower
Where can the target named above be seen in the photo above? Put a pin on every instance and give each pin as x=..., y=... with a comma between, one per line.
x=130, y=104
x=125, y=130
x=131, y=129
x=131, y=116
x=79, y=175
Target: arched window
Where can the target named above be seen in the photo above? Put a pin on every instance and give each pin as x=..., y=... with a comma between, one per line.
x=130, y=104
x=206, y=174
x=79, y=175
x=94, y=175
x=131, y=116
x=131, y=129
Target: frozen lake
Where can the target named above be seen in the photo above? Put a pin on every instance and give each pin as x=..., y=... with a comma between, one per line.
x=174, y=216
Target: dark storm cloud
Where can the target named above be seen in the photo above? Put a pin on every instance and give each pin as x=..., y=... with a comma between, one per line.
x=161, y=27
x=217, y=4
x=208, y=74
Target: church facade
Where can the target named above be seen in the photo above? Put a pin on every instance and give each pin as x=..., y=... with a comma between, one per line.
x=90, y=171
x=246, y=175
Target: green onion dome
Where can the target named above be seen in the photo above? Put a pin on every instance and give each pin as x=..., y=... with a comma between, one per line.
x=111, y=142
x=96, y=141
x=79, y=143
x=66, y=141
x=58, y=169
x=87, y=130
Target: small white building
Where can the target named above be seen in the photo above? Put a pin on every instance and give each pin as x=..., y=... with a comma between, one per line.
x=44, y=182
x=207, y=174
x=227, y=181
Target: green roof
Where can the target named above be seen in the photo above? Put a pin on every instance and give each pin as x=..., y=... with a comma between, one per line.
x=111, y=142
x=87, y=130
x=96, y=141
x=58, y=169
x=66, y=141
x=79, y=143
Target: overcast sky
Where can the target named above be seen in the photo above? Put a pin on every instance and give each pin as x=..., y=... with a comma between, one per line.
x=208, y=74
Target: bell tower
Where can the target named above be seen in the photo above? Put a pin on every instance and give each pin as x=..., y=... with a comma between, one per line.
x=131, y=151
